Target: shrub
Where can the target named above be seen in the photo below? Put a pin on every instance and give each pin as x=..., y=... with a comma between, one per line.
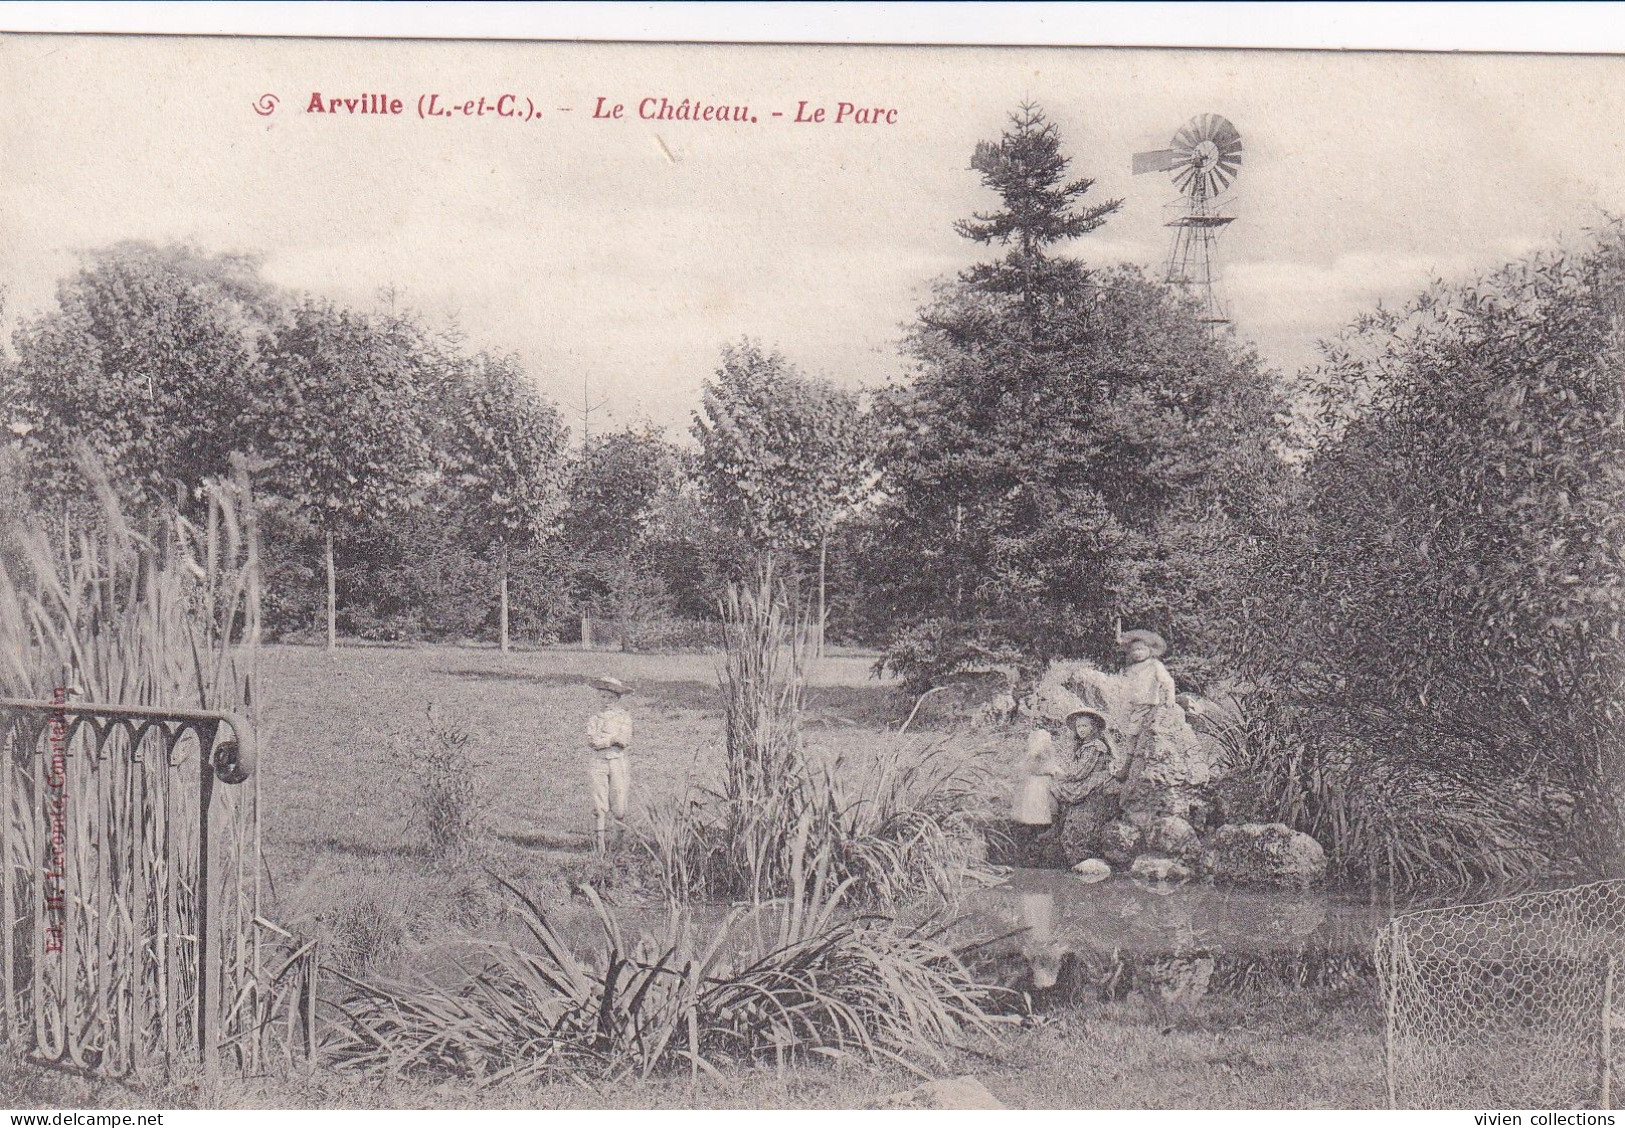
x=1444, y=619
x=441, y=779
x=897, y=825
x=778, y=982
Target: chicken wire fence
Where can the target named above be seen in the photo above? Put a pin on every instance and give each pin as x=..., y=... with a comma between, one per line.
x=1514, y=1003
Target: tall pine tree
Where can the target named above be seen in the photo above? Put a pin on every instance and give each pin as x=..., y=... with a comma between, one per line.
x=1060, y=426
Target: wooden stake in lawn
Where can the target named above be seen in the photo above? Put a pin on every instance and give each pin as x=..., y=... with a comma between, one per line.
x=332, y=594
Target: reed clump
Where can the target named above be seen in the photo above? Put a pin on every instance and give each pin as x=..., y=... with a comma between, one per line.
x=162, y=612
x=786, y=981
x=439, y=772
x=890, y=827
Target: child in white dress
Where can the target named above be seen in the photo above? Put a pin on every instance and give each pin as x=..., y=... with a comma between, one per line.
x=1032, y=805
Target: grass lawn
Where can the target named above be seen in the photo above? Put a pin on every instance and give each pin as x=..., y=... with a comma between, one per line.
x=1283, y=1053
x=336, y=839
x=343, y=864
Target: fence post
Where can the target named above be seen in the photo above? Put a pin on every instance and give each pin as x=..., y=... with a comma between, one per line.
x=1605, y=1096
x=1390, y=989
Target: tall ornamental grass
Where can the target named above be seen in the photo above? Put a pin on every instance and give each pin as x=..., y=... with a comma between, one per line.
x=787, y=981
x=163, y=613
x=890, y=826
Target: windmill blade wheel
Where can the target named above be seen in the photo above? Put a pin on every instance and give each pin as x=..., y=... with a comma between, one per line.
x=1210, y=155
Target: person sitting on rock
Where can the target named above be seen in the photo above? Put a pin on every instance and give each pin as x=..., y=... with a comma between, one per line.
x=1092, y=790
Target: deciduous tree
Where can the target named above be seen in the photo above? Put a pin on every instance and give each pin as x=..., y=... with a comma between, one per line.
x=506, y=455
x=349, y=431
x=152, y=358
x=783, y=457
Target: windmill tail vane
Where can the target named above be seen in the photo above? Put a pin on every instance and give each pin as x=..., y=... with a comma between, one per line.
x=1203, y=161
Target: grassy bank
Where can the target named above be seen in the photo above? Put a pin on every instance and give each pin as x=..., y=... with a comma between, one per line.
x=336, y=836
x=1297, y=1052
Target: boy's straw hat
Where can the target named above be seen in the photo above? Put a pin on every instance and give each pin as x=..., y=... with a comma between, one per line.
x=614, y=685
x=1154, y=642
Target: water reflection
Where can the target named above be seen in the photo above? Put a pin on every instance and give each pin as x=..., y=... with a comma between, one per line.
x=1172, y=943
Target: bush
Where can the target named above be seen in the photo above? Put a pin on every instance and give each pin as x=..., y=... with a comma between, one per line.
x=1445, y=619
x=442, y=788
x=779, y=982
x=929, y=653
x=885, y=829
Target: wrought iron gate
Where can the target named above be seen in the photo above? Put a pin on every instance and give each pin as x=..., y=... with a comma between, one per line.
x=129, y=927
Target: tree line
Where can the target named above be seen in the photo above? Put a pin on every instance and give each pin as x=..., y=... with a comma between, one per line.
x=1407, y=557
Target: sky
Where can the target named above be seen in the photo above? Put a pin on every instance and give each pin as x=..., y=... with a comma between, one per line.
x=620, y=255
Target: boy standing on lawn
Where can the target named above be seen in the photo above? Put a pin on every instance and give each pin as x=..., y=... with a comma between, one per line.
x=609, y=732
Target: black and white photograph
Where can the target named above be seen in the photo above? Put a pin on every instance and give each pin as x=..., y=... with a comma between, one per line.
x=547, y=575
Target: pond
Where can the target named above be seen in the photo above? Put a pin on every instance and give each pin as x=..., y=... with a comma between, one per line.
x=1130, y=916
x=1175, y=940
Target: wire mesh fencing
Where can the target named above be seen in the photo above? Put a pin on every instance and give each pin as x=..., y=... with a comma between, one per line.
x=1515, y=1003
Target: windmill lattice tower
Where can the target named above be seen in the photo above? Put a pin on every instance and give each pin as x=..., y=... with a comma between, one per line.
x=1204, y=159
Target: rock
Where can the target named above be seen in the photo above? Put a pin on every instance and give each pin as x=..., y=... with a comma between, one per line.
x=999, y=711
x=1119, y=842
x=1092, y=870
x=1155, y=867
x=965, y=1092
x=1167, y=754
x=1215, y=753
x=1082, y=824
x=1053, y=702
x=1210, y=715
x=1173, y=837
x=1263, y=854
x=1149, y=801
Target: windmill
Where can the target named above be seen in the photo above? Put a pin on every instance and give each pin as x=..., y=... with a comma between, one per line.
x=1204, y=158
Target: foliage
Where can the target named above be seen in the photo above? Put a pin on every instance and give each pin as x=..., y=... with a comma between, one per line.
x=162, y=610
x=782, y=456
x=1074, y=446
x=411, y=576
x=439, y=774
x=148, y=610
x=1042, y=208
x=888, y=828
x=615, y=494
x=1446, y=619
x=506, y=453
x=152, y=357
x=779, y=982
x=349, y=431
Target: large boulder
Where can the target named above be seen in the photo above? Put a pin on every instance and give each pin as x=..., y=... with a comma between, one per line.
x=1167, y=754
x=1263, y=854
x=1119, y=842
x=1173, y=837
x=950, y=1093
